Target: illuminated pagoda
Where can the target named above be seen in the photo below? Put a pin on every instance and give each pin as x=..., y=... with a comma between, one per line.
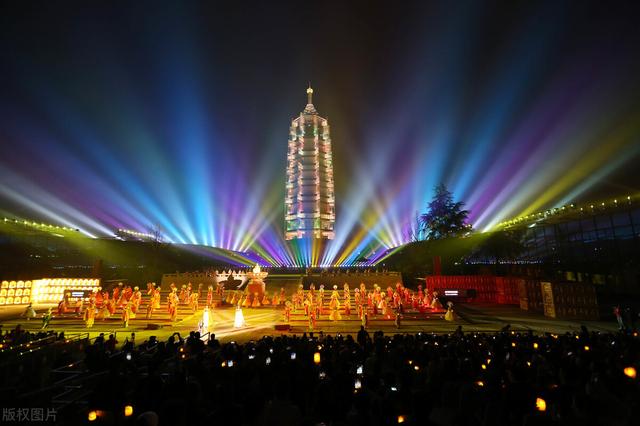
x=310, y=200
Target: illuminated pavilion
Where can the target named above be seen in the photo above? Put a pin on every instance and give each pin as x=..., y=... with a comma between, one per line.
x=310, y=199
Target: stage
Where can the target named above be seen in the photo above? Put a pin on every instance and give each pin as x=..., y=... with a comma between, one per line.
x=262, y=322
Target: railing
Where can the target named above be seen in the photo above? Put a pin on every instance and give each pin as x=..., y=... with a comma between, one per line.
x=29, y=345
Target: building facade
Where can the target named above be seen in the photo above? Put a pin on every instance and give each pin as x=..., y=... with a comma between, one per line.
x=309, y=197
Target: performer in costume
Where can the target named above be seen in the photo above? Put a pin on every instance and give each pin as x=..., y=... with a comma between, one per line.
x=150, y=307
x=365, y=318
x=312, y=289
x=29, y=312
x=62, y=306
x=347, y=306
x=287, y=311
x=299, y=297
x=449, y=316
x=265, y=299
x=205, y=318
x=256, y=301
x=90, y=315
x=46, y=318
x=174, y=300
x=239, y=317
x=371, y=303
x=193, y=301
x=117, y=291
x=311, y=321
x=210, y=295
x=334, y=307
x=435, y=303
x=136, y=298
x=126, y=314
x=335, y=293
x=307, y=303
x=98, y=297
x=104, y=312
x=188, y=293
x=111, y=306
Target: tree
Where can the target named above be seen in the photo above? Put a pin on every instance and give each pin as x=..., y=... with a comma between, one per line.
x=444, y=217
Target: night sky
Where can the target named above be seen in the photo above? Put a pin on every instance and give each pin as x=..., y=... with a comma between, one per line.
x=176, y=114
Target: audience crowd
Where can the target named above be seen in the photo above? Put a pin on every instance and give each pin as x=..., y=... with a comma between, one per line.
x=20, y=337
x=506, y=378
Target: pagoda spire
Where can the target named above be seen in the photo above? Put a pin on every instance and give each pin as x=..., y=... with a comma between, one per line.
x=309, y=94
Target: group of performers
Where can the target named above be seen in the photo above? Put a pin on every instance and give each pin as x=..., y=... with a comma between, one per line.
x=103, y=304
x=388, y=304
x=248, y=300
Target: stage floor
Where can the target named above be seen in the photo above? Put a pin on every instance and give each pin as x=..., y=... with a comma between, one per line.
x=262, y=321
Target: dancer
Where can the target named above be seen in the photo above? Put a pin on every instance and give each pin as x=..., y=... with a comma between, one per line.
x=111, y=306
x=116, y=292
x=90, y=315
x=334, y=307
x=449, y=316
x=347, y=305
x=205, y=319
x=46, y=318
x=365, y=318
x=172, y=305
x=210, y=294
x=307, y=303
x=126, y=314
x=29, y=312
x=265, y=299
x=193, y=301
x=312, y=289
x=239, y=317
x=104, y=311
x=256, y=301
x=136, y=298
x=435, y=303
x=287, y=311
